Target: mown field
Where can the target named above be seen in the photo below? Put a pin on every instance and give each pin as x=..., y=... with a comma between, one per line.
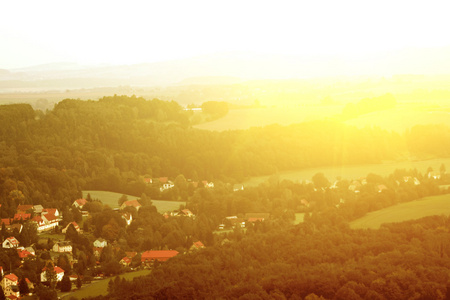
x=111, y=199
x=352, y=172
x=97, y=288
x=428, y=206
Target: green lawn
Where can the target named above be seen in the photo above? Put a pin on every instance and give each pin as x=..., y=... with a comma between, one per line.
x=353, y=172
x=97, y=288
x=111, y=199
x=428, y=206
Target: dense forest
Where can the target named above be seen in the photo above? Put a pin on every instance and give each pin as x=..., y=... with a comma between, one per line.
x=111, y=144
x=408, y=260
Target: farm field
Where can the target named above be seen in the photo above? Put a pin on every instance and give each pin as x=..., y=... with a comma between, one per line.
x=428, y=206
x=352, y=172
x=98, y=288
x=259, y=117
x=403, y=117
x=111, y=199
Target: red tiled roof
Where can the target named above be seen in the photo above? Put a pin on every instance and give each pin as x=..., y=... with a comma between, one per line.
x=22, y=216
x=11, y=277
x=23, y=253
x=6, y=221
x=161, y=255
x=50, y=211
x=126, y=260
x=81, y=202
x=163, y=179
x=24, y=208
x=56, y=269
x=13, y=241
x=199, y=245
x=133, y=203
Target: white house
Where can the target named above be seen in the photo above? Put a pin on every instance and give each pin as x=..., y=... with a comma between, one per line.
x=10, y=284
x=79, y=203
x=62, y=246
x=10, y=242
x=100, y=243
x=58, y=271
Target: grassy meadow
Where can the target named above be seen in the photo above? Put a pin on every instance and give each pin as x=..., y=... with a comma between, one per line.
x=98, y=288
x=111, y=199
x=428, y=206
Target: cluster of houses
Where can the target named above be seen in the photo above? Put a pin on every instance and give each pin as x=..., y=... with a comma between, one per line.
x=166, y=184
x=249, y=218
x=45, y=218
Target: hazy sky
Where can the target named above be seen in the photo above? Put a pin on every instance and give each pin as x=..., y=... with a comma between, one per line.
x=126, y=32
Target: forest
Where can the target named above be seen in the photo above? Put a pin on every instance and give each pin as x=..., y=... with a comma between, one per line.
x=112, y=144
x=407, y=260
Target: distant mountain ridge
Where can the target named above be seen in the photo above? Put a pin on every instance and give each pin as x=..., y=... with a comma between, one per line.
x=238, y=65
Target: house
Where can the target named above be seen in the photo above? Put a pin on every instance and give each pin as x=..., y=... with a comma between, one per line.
x=58, y=271
x=22, y=217
x=79, y=203
x=208, y=185
x=126, y=261
x=22, y=209
x=148, y=180
x=304, y=202
x=11, y=228
x=128, y=218
x=30, y=284
x=38, y=209
x=53, y=211
x=186, y=213
x=255, y=217
x=6, y=221
x=166, y=186
x=238, y=187
x=159, y=255
x=23, y=254
x=45, y=222
x=130, y=254
x=62, y=246
x=100, y=243
x=10, y=285
x=196, y=246
x=132, y=203
x=74, y=224
x=10, y=242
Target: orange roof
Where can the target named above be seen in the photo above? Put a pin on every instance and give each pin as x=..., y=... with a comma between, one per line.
x=161, y=255
x=199, y=245
x=22, y=216
x=163, y=179
x=56, y=269
x=81, y=202
x=133, y=203
x=50, y=210
x=23, y=253
x=6, y=221
x=12, y=277
x=126, y=259
x=24, y=208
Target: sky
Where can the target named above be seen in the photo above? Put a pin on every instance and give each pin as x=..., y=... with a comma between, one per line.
x=129, y=32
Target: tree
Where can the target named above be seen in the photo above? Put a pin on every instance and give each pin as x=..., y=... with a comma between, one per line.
x=320, y=181
x=23, y=286
x=66, y=285
x=122, y=199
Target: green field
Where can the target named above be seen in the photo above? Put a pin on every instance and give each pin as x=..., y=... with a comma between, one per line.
x=429, y=206
x=98, y=288
x=111, y=199
x=403, y=117
x=352, y=172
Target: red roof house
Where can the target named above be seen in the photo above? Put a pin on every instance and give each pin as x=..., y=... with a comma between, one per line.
x=160, y=255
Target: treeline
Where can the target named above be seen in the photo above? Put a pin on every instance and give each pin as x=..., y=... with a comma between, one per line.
x=399, y=261
x=111, y=144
